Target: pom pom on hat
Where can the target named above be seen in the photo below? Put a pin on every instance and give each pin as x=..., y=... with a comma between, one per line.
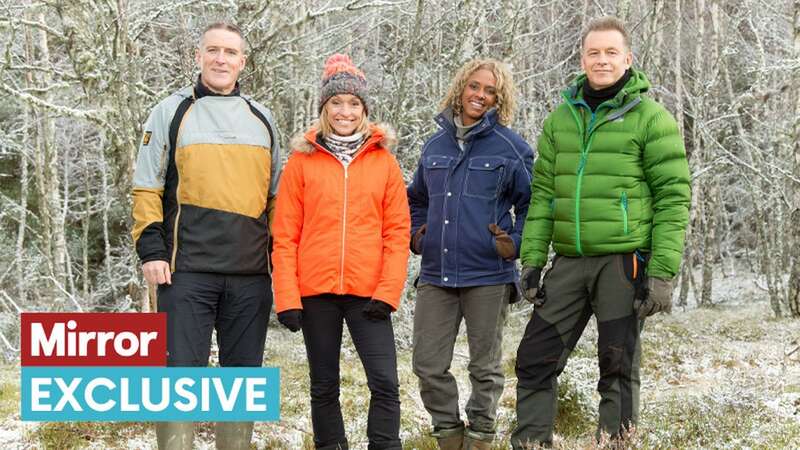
x=340, y=63
x=341, y=76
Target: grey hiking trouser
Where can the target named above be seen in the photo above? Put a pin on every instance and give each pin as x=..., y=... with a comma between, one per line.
x=575, y=288
x=437, y=318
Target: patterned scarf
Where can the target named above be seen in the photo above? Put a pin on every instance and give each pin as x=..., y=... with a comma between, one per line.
x=344, y=147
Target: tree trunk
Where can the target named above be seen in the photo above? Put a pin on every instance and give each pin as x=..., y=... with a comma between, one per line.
x=51, y=212
x=623, y=9
x=85, y=223
x=106, y=236
x=24, y=182
x=19, y=251
x=706, y=233
x=688, y=254
x=70, y=280
x=400, y=94
x=794, y=277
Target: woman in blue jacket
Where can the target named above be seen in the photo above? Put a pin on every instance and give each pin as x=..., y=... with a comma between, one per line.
x=472, y=180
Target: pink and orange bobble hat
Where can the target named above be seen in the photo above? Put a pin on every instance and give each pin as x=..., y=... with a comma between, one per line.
x=340, y=76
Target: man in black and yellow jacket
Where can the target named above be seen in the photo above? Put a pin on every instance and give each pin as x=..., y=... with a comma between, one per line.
x=203, y=193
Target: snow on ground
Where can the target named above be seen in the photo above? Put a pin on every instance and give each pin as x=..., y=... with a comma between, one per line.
x=721, y=377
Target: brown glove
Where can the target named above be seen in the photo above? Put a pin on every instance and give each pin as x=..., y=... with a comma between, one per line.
x=416, y=241
x=659, y=298
x=503, y=242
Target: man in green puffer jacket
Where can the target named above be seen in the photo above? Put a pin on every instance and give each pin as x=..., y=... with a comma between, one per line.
x=611, y=192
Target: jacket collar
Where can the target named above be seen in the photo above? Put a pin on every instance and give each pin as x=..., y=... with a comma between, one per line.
x=381, y=135
x=636, y=85
x=487, y=122
x=201, y=90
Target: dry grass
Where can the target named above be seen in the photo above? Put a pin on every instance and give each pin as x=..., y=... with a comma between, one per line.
x=715, y=378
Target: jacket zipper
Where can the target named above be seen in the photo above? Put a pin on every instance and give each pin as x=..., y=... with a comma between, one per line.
x=581, y=165
x=177, y=221
x=623, y=202
x=587, y=136
x=344, y=228
x=344, y=209
x=269, y=255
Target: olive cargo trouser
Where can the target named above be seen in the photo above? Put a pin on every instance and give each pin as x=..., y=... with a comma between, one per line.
x=575, y=288
x=437, y=319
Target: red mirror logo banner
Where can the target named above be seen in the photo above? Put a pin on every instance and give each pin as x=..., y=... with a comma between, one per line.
x=94, y=339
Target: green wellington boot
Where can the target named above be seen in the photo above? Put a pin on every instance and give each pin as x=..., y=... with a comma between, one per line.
x=234, y=435
x=175, y=435
x=477, y=440
x=449, y=438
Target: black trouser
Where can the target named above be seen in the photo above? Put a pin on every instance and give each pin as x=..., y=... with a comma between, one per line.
x=323, y=316
x=236, y=305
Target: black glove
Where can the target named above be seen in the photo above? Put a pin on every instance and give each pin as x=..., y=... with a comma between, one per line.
x=291, y=319
x=529, y=281
x=376, y=310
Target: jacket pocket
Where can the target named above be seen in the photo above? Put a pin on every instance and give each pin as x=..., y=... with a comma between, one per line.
x=436, y=173
x=484, y=176
x=623, y=205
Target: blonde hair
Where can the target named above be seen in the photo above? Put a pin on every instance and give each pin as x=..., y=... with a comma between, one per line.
x=324, y=125
x=506, y=93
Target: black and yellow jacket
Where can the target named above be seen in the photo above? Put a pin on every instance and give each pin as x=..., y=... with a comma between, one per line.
x=205, y=183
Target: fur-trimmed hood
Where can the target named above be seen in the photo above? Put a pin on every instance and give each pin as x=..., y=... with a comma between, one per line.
x=382, y=134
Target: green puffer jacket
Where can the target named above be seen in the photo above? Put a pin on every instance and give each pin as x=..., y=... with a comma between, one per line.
x=614, y=181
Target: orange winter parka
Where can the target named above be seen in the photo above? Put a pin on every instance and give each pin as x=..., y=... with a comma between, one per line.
x=337, y=229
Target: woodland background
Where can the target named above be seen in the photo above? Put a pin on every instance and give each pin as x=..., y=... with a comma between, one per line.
x=78, y=78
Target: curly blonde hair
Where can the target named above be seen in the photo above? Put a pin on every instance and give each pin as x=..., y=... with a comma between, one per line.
x=506, y=92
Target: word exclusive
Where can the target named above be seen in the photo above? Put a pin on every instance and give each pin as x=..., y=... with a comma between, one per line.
x=150, y=393
x=94, y=339
x=110, y=367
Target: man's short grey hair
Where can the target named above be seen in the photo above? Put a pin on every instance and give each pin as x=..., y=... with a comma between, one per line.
x=227, y=26
x=607, y=23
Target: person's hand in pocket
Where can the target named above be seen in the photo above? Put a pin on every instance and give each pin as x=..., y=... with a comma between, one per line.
x=416, y=241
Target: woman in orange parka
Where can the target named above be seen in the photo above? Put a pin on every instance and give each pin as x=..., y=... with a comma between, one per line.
x=341, y=238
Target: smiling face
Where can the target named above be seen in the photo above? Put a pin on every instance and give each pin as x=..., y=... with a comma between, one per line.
x=221, y=58
x=344, y=113
x=478, y=96
x=605, y=58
